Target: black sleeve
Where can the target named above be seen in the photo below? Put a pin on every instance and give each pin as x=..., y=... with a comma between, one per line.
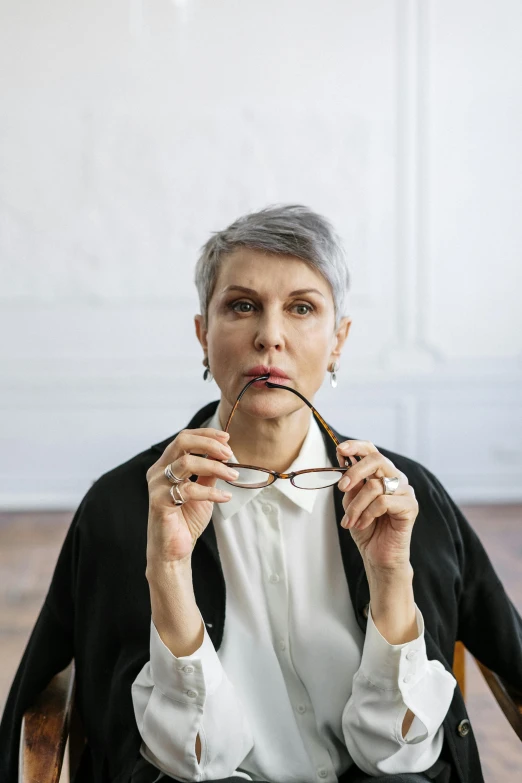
x=48, y=651
x=489, y=624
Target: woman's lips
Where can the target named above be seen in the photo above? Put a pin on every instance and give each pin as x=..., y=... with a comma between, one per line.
x=262, y=369
x=272, y=379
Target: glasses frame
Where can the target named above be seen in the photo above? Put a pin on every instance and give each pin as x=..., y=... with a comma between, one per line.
x=274, y=474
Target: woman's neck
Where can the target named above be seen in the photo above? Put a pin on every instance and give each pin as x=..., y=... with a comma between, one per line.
x=267, y=443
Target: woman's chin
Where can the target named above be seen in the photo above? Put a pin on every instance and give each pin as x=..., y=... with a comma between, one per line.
x=266, y=407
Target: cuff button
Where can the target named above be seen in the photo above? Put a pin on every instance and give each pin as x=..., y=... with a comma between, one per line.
x=464, y=728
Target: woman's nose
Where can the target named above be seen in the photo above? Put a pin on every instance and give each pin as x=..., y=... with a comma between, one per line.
x=269, y=332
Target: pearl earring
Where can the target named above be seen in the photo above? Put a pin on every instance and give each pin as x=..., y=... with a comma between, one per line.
x=333, y=375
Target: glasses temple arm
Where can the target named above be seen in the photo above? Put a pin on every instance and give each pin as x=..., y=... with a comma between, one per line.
x=314, y=411
x=288, y=388
x=254, y=380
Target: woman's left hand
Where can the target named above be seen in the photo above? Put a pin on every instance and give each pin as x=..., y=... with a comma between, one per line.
x=381, y=525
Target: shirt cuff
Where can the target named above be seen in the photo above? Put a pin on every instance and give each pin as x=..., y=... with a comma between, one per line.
x=188, y=678
x=387, y=666
x=426, y=687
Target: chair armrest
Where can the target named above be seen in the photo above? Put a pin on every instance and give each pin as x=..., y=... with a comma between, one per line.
x=45, y=728
x=508, y=698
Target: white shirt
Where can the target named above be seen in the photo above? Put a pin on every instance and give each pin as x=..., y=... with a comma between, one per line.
x=296, y=691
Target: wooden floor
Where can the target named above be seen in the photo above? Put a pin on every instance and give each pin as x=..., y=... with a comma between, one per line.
x=29, y=545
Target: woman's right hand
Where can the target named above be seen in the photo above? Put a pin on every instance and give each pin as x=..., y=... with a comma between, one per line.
x=173, y=530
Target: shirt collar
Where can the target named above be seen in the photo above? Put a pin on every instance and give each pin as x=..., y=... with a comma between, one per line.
x=313, y=454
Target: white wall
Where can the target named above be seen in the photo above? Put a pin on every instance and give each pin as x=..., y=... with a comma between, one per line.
x=131, y=130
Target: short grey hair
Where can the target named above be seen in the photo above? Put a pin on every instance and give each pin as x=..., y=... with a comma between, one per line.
x=289, y=229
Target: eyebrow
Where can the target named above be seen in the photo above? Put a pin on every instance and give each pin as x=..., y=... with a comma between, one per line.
x=252, y=291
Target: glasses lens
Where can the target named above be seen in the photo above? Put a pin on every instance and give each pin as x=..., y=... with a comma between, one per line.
x=317, y=479
x=249, y=477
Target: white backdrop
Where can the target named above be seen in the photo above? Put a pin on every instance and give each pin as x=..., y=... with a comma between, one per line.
x=131, y=130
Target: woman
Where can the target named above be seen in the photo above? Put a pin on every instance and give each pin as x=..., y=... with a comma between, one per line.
x=228, y=627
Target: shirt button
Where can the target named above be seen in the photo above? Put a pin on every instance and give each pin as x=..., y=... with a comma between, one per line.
x=301, y=708
x=408, y=678
x=192, y=694
x=273, y=578
x=188, y=669
x=282, y=645
x=267, y=508
x=322, y=772
x=411, y=655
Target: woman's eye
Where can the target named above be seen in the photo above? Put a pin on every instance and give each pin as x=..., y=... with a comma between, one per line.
x=236, y=304
x=243, y=305
x=308, y=307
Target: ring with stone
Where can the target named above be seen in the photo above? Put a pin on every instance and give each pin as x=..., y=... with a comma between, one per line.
x=179, y=500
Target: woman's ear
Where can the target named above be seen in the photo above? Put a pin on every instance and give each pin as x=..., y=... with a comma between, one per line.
x=341, y=335
x=201, y=331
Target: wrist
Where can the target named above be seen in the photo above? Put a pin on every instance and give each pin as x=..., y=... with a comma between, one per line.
x=392, y=605
x=398, y=576
x=161, y=570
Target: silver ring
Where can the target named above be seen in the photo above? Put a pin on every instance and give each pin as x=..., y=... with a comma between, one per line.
x=171, y=477
x=179, y=500
x=389, y=484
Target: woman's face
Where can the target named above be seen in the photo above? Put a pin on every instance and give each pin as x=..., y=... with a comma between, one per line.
x=285, y=320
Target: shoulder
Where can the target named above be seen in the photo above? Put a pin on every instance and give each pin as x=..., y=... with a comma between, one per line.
x=129, y=475
x=118, y=499
x=117, y=502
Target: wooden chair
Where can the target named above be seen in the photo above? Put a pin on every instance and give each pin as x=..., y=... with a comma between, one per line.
x=52, y=719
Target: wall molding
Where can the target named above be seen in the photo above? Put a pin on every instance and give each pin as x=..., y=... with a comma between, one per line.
x=463, y=423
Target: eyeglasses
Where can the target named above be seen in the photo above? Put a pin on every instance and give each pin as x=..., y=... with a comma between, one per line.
x=254, y=477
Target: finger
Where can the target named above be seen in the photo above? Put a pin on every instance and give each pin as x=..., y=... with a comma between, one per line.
x=227, y=472
x=351, y=451
x=401, y=508
x=210, y=432
x=192, y=465
x=190, y=490
x=356, y=506
x=353, y=447
x=349, y=495
x=374, y=464
x=187, y=442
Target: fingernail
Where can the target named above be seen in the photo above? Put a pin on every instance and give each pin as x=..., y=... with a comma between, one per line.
x=233, y=474
x=225, y=494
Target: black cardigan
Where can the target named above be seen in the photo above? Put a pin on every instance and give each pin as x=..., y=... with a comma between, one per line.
x=98, y=611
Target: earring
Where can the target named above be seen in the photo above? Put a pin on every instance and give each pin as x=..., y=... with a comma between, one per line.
x=333, y=376
x=207, y=375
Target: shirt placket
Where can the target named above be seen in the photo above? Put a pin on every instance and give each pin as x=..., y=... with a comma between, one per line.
x=275, y=578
